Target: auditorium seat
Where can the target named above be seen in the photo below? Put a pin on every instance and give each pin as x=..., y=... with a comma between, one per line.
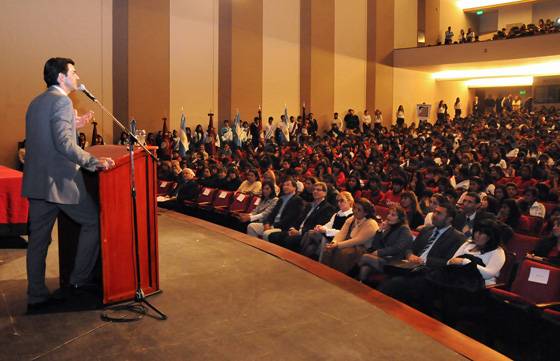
x=530, y=225
x=381, y=211
x=240, y=203
x=507, y=272
x=521, y=244
x=164, y=187
x=549, y=206
x=536, y=284
x=206, y=197
x=221, y=201
x=254, y=203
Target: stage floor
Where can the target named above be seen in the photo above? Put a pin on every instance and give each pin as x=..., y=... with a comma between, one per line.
x=226, y=300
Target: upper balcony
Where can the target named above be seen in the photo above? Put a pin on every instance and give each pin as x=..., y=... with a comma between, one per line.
x=433, y=58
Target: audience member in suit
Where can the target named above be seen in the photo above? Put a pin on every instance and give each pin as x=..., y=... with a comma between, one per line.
x=314, y=241
x=319, y=211
x=285, y=214
x=433, y=247
x=549, y=246
x=390, y=242
x=470, y=214
x=53, y=180
x=351, y=242
x=486, y=251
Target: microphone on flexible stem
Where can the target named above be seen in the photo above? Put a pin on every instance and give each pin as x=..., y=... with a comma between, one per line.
x=83, y=88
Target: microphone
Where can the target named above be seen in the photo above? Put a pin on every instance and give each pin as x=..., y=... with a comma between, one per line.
x=83, y=88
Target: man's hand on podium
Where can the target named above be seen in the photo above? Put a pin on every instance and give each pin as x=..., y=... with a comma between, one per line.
x=105, y=163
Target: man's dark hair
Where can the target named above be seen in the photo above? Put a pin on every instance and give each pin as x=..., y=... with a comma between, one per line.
x=474, y=195
x=53, y=67
x=449, y=209
x=291, y=180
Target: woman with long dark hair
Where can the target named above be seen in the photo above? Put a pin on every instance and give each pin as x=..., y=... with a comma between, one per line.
x=409, y=202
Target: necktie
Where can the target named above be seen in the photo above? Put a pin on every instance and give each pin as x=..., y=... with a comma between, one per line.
x=431, y=241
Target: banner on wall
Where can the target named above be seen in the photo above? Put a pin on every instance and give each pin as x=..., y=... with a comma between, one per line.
x=423, y=111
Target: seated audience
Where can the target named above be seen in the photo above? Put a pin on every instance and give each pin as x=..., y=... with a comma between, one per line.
x=313, y=241
x=251, y=185
x=412, y=208
x=351, y=242
x=509, y=213
x=264, y=208
x=317, y=213
x=549, y=246
x=391, y=241
x=283, y=216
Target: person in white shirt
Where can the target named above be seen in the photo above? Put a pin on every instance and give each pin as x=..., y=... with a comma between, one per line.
x=314, y=241
x=378, y=119
x=226, y=133
x=269, y=129
x=457, y=107
x=485, y=245
x=529, y=203
x=366, y=122
x=336, y=120
x=449, y=36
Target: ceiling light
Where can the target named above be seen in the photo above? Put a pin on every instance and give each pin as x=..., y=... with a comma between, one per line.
x=540, y=69
x=499, y=82
x=477, y=4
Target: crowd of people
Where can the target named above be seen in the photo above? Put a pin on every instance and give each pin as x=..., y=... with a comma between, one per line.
x=543, y=27
x=455, y=191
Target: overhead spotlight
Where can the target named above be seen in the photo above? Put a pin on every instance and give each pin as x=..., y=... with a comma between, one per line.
x=499, y=82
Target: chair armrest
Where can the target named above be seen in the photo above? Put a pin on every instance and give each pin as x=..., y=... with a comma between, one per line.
x=547, y=305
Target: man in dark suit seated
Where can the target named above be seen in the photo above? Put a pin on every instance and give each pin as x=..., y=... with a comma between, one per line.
x=319, y=212
x=432, y=248
x=470, y=214
x=285, y=214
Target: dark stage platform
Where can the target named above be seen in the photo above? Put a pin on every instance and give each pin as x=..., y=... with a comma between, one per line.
x=229, y=297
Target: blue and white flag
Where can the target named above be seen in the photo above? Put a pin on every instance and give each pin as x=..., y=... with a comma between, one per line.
x=183, y=140
x=237, y=130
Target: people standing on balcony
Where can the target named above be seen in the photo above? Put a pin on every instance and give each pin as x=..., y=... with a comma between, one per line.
x=377, y=119
x=462, y=38
x=400, y=116
x=449, y=36
x=499, y=104
x=366, y=122
x=351, y=121
x=441, y=112
x=470, y=36
x=516, y=103
x=457, y=107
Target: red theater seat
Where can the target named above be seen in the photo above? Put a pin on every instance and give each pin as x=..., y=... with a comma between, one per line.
x=521, y=244
x=536, y=284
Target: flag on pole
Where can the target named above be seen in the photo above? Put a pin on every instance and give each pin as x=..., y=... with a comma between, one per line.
x=237, y=130
x=183, y=140
x=286, y=126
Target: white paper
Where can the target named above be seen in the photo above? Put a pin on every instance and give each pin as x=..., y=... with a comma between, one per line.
x=206, y=191
x=240, y=197
x=539, y=275
x=163, y=184
x=222, y=195
x=257, y=201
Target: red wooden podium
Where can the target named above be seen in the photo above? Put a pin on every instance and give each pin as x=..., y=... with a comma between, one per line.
x=117, y=261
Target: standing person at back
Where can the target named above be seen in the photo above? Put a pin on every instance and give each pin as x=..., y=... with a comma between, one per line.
x=53, y=180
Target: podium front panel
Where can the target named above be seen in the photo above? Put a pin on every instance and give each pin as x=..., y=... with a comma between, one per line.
x=117, y=228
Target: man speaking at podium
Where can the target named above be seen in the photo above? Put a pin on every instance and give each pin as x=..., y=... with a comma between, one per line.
x=53, y=180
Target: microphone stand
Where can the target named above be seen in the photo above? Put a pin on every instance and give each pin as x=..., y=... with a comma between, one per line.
x=138, y=305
